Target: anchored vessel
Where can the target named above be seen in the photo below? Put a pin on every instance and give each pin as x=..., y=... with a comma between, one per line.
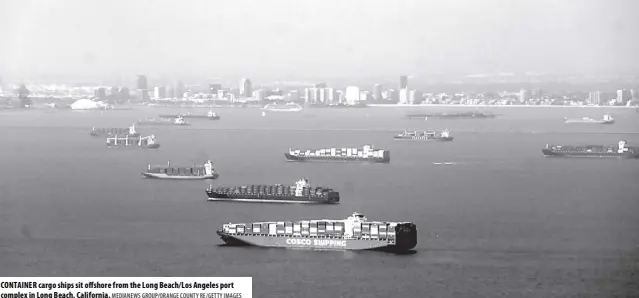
x=210, y=115
x=465, y=115
x=100, y=132
x=365, y=154
x=132, y=142
x=422, y=135
x=301, y=192
x=177, y=121
x=289, y=107
x=181, y=173
x=607, y=119
x=352, y=233
x=620, y=150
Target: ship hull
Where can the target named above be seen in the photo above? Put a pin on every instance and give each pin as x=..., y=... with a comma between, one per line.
x=422, y=116
x=190, y=117
x=281, y=199
x=154, y=146
x=588, y=122
x=161, y=124
x=422, y=139
x=136, y=135
x=177, y=177
x=551, y=153
x=291, y=157
x=339, y=244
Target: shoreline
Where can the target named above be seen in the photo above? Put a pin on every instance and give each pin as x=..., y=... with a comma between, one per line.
x=491, y=106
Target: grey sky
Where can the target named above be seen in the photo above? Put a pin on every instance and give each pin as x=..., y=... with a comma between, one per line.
x=289, y=38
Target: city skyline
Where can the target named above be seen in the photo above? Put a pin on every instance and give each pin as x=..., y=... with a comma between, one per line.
x=302, y=39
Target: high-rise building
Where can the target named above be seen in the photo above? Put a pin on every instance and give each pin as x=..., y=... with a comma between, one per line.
x=623, y=96
x=523, y=96
x=259, y=95
x=594, y=98
x=214, y=87
x=142, y=95
x=124, y=93
x=100, y=93
x=352, y=95
x=170, y=92
x=246, y=88
x=294, y=95
x=179, y=89
x=142, y=89
x=142, y=83
x=403, y=96
x=403, y=82
x=377, y=92
x=159, y=92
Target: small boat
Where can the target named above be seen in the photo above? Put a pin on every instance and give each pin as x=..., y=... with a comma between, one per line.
x=181, y=173
x=422, y=135
x=210, y=115
x=607, y=119
x=289, y=107
x=99, y=132
x=132, y=142
x=177, y=121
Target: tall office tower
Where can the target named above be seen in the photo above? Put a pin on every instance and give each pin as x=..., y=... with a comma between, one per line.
x=142, y=83
x=404, y=96
x=259, y=95
x=100, y=93
x=523, y=95
x=623, y=96
x=294, y=95
x=377, y=92
x=179, y=89
x=124, y=94
x=320, y=85
x=594, y=98
x=142, y=89
x=352, y=95
x=246, y=88
x=170, y=92
x=403, y=82
x=159, y=92
x=331, y=96
x=214, y=87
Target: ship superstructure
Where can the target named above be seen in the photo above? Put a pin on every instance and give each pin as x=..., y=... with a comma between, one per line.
x=366, y=153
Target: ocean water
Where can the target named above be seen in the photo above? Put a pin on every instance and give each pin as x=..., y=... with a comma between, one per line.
x=501, y=221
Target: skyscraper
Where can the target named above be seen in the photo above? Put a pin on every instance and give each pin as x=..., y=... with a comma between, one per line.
x=352, y=95
x=377, y=92
x=246, y=88
x=143, y=92
x=142, y=84
x=403, y=82
x=179, y=89
x=159, y=92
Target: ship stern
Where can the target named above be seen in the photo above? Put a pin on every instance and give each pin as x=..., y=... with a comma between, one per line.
x=406, y=238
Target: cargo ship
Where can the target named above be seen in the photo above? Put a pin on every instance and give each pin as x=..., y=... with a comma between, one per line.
x=152, y=121
x=422, y=135
x=599, y=151
x=210, y=116
x=203, y=172
x=464, y=115
x=101, y=132
x=353, y=233
x=301, y=193
x=132, y=142
x=607, y=119
x=365, y=154
x=289, y=107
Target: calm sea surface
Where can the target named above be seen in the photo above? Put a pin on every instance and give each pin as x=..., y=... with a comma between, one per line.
x=503, y=221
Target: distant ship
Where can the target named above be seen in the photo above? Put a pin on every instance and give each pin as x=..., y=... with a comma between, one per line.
x=132, y=142
x=181, y=173
x=365, y=154
x=353, y=233
x=301, y=193
x=177, y=121
x=598, y=151
x=607, y=119
x=101, y=132
x=340, y=106
x=464, y=115
x=422, y=135
x=289, y=107
x=210, y=115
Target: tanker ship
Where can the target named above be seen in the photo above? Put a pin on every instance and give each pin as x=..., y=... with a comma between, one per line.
x=607, y=119
x=301, y=193
x=352, y=233
x=177, y=121
x=205, y=171
x=422, y=135
x=101, y=132
x=619, y=151
x=127, y=142
x=365, y=154
x=464, y=115
x=210, y=116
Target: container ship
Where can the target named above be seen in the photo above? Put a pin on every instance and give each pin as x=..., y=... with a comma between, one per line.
x=619, y=151
x=101, y=132
x=465, y=115
x=607, y=119
x=210, y=116
x=152, y=121
x=422, y=135
x=203, y=172
x=301, y=193
x=352, y=233
x=128, y=142
x=289, y=107
x=365, y=154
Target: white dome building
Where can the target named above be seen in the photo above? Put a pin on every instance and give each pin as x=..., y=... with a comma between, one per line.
x=86, y=104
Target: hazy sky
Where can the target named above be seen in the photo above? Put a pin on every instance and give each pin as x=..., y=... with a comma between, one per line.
x=289, y=38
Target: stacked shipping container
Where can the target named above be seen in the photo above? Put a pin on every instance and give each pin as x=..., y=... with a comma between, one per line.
x=330, y=229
